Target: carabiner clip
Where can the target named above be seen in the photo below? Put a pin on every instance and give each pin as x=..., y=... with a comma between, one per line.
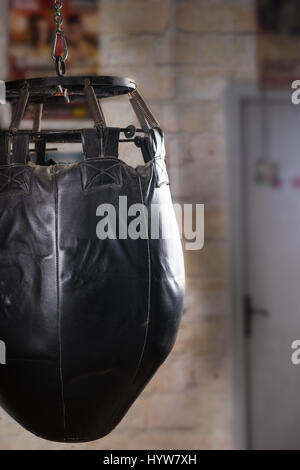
x=60, y=53
x=55, y=54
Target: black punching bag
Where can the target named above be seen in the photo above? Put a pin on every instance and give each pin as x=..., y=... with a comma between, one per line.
x=86, y=321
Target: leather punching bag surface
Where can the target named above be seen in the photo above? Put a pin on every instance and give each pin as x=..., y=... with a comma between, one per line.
x=86, y=321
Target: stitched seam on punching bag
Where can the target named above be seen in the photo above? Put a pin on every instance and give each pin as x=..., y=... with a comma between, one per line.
x=149, y=284
x=58, y=306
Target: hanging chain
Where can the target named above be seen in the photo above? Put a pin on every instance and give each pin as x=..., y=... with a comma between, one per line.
x=59, y=39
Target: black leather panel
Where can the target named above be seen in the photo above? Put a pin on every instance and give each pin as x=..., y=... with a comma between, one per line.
x=29, y=382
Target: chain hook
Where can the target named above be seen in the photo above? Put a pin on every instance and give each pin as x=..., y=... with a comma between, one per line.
x=59, y=42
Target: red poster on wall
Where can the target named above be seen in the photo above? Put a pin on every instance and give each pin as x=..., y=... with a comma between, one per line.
x=32, y=31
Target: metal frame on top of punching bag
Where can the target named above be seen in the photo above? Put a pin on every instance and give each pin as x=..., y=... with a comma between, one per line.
x=45, y=90
x=38, y=92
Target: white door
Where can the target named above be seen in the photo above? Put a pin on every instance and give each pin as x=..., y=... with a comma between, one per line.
x=271, y=231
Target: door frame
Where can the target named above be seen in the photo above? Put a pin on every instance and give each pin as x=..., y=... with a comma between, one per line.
x=236, y=95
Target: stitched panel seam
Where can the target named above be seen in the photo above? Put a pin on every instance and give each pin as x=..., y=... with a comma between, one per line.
x=58, y=306
x=149, y=283
x=117, y=407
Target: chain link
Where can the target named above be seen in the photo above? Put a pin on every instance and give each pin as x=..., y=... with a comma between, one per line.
x=58, y=19
x=59, y=35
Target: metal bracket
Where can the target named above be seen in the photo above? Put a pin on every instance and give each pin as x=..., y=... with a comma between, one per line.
x=94, y=105
x=19, y=109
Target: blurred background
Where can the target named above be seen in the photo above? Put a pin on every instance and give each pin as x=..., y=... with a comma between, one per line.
x=218, y=76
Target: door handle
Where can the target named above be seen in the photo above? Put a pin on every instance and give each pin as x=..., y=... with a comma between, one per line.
x=249, y=312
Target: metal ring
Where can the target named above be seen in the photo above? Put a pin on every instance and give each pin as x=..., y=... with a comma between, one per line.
x=130, y=132
x=60, y=66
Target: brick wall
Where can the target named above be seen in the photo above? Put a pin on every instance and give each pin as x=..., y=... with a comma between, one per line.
x=182, y=54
